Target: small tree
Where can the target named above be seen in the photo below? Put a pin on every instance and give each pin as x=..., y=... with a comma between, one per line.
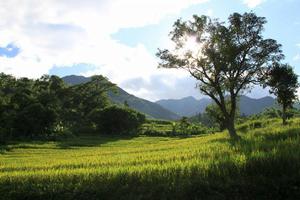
x=225, y=58
x=215, y=114
x=283, y=84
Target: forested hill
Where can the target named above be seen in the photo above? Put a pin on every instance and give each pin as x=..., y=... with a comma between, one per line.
x=149, y=108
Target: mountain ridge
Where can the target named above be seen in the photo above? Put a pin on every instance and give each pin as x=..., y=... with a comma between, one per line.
x=189, y=106
x=149, y=108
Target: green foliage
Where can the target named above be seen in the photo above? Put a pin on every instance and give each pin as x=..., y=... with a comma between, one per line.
x=271, y=113
x=35, y=108
x=216, y=116
x=264, y=164
x=34, y=120
x=256, y=123
x=167, y=128
x=83, y=99
x=118, y=120
x=157, y=121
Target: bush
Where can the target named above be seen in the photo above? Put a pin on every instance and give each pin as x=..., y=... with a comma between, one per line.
x=118, y=120
x=34, y=120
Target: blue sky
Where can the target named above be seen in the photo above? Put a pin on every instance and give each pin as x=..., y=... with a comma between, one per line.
x=119, y=39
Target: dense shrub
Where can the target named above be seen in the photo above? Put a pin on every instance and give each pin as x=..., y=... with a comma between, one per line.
x=34, y=120
x=118, y=120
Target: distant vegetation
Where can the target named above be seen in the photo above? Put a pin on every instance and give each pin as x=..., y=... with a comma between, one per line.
x=183, y=127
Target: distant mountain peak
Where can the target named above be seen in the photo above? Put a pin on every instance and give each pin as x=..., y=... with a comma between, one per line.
x=75, y=79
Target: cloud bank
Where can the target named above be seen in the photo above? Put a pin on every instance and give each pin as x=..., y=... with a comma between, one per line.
x=44, y=34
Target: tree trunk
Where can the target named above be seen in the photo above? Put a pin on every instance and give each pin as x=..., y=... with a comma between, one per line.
x=231, y=129
x=284, y=115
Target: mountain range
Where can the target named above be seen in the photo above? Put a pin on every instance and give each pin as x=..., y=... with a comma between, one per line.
x=173, y=109
x=189, y=106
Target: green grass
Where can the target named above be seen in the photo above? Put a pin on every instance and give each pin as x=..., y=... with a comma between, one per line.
x=265, y=164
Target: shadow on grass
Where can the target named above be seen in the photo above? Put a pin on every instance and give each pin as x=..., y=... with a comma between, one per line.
x=286, y=134
x=90, y=141
x=4, y=148
x=66, y=143
x=268, y=141
x=21, y=143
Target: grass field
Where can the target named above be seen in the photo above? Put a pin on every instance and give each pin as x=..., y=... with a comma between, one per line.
x=265, y=164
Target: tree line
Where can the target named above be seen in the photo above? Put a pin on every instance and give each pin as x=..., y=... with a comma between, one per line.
x=47, y=106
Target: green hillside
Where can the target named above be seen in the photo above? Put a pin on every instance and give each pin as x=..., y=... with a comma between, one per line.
x=151, y=109
x=264, y=164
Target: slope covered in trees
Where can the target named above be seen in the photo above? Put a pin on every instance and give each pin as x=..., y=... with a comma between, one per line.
x=149, y=108
x=46, y=107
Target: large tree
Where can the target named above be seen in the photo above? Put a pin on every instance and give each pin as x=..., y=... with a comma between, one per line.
x=283, y=83
x=225, y=58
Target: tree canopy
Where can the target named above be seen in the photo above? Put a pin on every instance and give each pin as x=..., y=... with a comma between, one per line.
x=39, y=108
x=283, y=83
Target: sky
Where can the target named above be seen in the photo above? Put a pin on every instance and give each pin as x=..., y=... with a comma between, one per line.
x=119, y=39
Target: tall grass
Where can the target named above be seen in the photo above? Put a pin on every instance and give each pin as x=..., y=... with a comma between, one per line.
x=265, y=164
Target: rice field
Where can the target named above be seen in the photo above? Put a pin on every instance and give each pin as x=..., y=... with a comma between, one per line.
x=264, y=164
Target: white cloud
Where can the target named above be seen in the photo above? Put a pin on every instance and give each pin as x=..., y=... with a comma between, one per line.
x=253, y=3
